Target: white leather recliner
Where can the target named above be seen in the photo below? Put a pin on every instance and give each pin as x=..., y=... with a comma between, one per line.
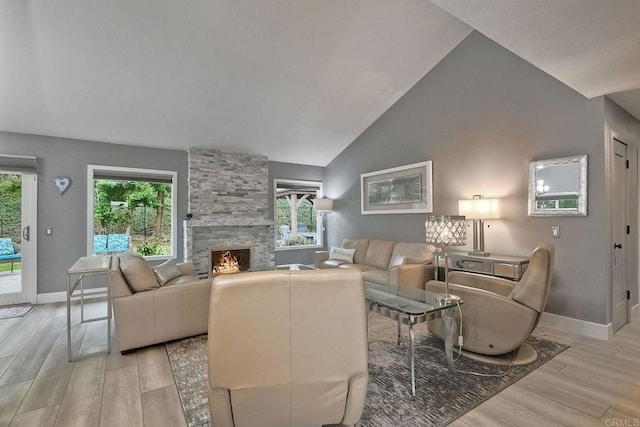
x=287, y=348
x=498, y=314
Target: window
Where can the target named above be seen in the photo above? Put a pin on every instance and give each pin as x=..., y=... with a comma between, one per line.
x=297, y=222
x=131, y=209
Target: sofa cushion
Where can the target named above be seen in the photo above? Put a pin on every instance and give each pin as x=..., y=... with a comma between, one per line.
x=359, y=267
x=137, y=272
x=380, y=277
x=342, y=254
x=6, y=246
x=360, y=245
x=414, y=253
x=166, y=271
x=397, y=260
x=379, y=253
x=332, y=263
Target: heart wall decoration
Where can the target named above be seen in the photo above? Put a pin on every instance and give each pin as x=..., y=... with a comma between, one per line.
x=62, y=183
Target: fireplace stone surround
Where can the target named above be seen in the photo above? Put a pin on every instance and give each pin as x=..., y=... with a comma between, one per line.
x=229, y=203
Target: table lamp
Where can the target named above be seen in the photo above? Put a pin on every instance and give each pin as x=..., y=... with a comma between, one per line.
x=478, y=209
x=443, y=231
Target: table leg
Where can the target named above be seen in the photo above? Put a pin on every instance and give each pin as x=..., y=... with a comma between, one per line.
x=109, y=310
x=399, y=329
x=449, y=334
x=69, y=317
x=412, y=355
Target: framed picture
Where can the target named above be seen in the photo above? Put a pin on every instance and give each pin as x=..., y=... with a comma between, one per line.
x=405, y=189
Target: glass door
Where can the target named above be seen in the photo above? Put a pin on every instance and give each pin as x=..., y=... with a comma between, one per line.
x=18, y=210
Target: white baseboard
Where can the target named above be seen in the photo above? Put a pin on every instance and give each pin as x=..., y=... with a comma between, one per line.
x=635, y=312
x=62, y=296
x=576, y=326
x=51, y=297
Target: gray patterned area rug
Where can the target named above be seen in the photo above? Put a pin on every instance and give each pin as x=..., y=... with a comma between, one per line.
x=17, y=310
x=441, y=396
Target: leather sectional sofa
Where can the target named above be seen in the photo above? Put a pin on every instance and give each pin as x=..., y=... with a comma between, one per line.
x=154, y=314
x=385, y=262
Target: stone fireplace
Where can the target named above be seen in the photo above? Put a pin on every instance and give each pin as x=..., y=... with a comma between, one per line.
x=229, y=203
x=230, y=260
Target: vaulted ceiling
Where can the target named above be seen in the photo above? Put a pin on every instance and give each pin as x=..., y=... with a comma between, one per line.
x=296, y=80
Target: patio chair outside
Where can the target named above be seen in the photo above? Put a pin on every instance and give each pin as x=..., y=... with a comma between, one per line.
x=9, y=252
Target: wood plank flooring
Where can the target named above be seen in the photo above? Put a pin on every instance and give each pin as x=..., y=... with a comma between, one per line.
x=594, y=383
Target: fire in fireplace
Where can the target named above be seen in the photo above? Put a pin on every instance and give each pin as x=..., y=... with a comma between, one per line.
x=227, y=261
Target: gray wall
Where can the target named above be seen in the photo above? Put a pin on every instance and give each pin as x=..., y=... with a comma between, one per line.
x=67, y=214
x=481, y=115
x=279, y=170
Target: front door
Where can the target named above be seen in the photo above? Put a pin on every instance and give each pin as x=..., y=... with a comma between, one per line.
x=619, y=233
x=18, y=214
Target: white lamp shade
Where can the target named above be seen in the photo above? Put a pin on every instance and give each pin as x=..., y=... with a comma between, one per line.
x=479, y=208
x=323, y=204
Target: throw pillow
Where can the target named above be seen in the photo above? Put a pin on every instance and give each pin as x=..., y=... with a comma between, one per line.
x=6, y=247
x=342, y=254
x=166, y=271
x=137, y=272
x=398, y=260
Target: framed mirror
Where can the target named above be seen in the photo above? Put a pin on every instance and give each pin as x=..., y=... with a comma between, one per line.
x=558, y=187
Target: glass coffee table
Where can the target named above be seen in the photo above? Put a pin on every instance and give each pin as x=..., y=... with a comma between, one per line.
x=411, y=306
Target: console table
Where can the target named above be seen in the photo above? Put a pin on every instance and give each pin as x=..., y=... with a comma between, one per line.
x=506, y=266
x=83, y=267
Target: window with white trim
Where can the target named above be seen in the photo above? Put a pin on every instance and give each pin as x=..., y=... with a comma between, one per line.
x=298, y=225
x=131, y=209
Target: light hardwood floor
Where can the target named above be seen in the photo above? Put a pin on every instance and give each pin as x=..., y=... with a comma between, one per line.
x=594, y=383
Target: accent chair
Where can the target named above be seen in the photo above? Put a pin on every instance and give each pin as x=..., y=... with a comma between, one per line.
x=498, y=315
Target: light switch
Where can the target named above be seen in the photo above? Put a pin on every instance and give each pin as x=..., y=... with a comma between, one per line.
x=48, y=231
x=555, y=231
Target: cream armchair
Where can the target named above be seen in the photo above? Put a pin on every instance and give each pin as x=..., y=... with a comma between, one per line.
x=287, y=348
x=499, y=315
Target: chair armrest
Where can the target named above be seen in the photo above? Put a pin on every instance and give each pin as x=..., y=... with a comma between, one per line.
x=220, y=406
x=492, y=284
x=320, y=257
x=187, y=268
x=411, y=275
x=16, y=247
x=355, y=399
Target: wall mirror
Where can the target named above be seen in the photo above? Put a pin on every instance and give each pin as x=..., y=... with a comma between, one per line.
x=558, y=187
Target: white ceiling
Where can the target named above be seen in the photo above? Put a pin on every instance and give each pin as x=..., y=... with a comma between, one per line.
x=296, y=80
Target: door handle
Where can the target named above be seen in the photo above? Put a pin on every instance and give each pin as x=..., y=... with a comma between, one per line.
x=26, y=232
x=617, y=246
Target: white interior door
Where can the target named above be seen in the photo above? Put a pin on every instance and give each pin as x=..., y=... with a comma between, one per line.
x=20, y=286
x=619, y=234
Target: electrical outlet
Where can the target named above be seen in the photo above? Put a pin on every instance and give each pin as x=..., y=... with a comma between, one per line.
x=555, y=231
x=48, y=231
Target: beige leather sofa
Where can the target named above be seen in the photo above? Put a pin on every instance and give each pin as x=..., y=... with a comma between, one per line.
x=178, y=309
x=498, y=314
x=287, y=348
x=375, y=260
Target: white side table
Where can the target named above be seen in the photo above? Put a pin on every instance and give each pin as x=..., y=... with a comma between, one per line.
x=84, y=267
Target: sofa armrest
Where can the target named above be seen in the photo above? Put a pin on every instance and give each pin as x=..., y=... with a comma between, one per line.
x=320, y=257
x=411, y=275
x=162, y=314
x=492, y=284
x=187, y=268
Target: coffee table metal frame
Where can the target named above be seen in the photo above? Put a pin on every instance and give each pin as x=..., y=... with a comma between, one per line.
x=411, y=306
